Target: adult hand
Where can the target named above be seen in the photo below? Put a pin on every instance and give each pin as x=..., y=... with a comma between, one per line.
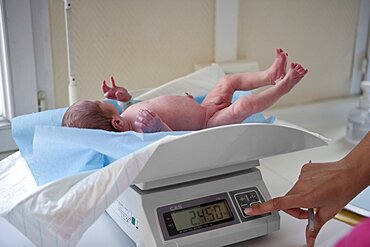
x=326, y=187
x=114, y=92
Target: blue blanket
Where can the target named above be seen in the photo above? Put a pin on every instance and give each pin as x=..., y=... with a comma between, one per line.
x=53, y=152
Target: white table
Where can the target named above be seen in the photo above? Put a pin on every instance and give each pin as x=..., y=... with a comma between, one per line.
x=280, y=172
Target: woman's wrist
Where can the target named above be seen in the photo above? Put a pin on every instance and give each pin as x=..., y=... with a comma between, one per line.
x=358, y=168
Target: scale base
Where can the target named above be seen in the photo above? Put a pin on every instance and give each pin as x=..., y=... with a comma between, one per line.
x=137, y=212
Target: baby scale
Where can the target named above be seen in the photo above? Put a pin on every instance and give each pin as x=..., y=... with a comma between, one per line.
x=193, y=190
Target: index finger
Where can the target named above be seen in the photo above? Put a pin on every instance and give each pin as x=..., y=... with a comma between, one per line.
x=278, y=203
x=113, y=81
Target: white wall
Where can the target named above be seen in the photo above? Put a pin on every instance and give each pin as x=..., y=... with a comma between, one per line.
x=147, y=43
x=319, y=34
x=142, y=43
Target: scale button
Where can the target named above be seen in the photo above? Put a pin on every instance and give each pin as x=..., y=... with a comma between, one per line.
x=252, y=196
x=242, y=209
x=242, y=199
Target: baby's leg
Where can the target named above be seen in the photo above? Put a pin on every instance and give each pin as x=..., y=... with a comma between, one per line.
x=248, y=105
x=252, y=80
x=227, y=85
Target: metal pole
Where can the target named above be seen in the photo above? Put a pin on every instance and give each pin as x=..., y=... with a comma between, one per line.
x=72, y=86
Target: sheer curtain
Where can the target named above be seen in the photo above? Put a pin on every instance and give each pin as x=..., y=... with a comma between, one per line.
x=1, y=101
x=2, y=65
x=6, y=109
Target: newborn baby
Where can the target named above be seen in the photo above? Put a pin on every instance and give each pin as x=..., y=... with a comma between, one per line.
x=170, y=113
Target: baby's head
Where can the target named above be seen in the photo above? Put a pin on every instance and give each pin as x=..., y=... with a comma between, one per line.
x=90, y=114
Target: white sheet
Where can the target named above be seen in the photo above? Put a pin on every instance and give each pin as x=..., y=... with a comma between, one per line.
x=58, y=213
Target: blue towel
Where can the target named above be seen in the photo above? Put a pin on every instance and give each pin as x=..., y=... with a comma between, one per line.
x=62, y=151
x=23, y=128
x=53, y=152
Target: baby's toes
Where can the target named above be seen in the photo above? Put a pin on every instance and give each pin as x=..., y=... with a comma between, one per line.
x=301, y=70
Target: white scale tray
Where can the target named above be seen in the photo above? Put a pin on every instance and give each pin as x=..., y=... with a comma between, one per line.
x=220, y=150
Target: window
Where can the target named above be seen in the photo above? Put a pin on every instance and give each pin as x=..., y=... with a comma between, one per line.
x=18, y=89
x=5, y=112
x=1, y=100
x=2, y=105
x=6, y=108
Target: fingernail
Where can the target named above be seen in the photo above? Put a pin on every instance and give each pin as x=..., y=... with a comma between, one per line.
x=248, y=210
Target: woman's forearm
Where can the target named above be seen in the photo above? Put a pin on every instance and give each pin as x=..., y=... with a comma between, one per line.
x=358, y=160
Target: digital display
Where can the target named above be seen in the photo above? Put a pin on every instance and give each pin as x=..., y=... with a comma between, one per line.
x=202, y=215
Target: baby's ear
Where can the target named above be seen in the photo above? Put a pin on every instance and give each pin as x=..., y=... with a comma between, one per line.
x=117, y=124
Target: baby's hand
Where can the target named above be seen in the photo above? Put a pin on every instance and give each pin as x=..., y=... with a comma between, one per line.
x=114, y=92
x=149, y=122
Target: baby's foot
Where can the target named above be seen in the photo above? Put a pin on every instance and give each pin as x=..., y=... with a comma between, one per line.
x=294, y=75
x=278, y=68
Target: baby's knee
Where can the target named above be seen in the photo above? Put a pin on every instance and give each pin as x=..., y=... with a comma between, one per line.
x=226, y=80
x=225, y=86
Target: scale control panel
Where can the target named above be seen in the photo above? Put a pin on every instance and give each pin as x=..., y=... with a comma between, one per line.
x=207, y=213
x=246, y=198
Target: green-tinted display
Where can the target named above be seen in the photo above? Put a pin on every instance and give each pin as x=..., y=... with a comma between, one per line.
x=201, y=215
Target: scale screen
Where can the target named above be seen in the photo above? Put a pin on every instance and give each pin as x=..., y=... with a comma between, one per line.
x=202, y=216
x=197, y=215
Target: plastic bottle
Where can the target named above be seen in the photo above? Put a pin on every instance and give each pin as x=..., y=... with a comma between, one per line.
x=358, y=121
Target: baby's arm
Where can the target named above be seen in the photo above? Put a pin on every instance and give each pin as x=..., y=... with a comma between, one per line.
x=114, y=92
x=149, y=122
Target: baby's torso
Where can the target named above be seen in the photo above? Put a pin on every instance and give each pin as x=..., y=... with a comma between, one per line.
x=178, y=112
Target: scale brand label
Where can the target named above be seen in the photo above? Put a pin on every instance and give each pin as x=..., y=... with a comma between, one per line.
x=176, y=207
x=126, y=216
